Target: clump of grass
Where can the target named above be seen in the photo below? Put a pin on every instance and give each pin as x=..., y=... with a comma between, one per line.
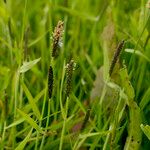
x=60, y=92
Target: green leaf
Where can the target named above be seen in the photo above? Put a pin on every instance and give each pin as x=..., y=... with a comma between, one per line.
x=145, y=100
x=15, y=123
x=31, y=101
x=78, y=102
x=24, y=142
x=29, y=120
x=28, y=65
x=27, y=107
x=93, y=134
x=128, y=88
x=137, y=52
x=38, y=39
x=146, y=130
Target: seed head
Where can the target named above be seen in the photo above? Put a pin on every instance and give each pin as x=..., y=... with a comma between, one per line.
x=57, y=37
x=69, y=73
x=115, y=57
x=50, y=82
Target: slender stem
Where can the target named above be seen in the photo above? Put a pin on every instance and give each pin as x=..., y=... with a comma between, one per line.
x=42, y=115
x=64, y=126
x=47, y=123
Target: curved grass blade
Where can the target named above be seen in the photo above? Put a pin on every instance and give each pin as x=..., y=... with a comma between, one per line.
x=15, y=123
x=28, y=65
x=31, y=101
x=24, y=142
x=146, y=130
x=137, y=52
x=145, y=99
x=29, y=120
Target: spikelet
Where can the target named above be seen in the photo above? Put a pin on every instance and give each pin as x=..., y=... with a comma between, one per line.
x=115, y=57
x=50, y=82
x=57, y=37
x=69, y=73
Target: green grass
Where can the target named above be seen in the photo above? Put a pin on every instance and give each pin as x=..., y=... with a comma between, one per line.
x=29, y=119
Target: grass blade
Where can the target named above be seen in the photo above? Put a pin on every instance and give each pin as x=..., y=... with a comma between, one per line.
x=31, y=101
x=137, y=52
x=24, y=142
x=145, y=99
x=28, y=65
x=146, y=130
x=15, y=123
x=29, y=120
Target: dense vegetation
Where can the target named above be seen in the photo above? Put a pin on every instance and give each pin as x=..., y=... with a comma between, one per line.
x=74, y=74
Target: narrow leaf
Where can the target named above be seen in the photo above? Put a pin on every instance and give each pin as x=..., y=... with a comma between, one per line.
x=145, y=100
x=28, y=65
x=93, y=134
x=27, y=107
x=137, y=52
x=31, y=101
x=146, y=130
x=24, y=142
x=15, y=123
x=30, y=120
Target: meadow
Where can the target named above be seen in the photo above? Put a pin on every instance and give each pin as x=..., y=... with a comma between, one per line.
x=74, y=74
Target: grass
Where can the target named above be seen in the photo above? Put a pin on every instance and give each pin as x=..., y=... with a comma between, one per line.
x=33, y=116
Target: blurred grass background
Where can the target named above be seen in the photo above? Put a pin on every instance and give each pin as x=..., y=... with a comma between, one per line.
x=89, y=26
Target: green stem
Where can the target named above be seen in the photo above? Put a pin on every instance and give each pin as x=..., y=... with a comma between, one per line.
x=64, y=126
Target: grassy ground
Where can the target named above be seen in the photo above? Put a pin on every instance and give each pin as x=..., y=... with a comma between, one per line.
x=116, y=117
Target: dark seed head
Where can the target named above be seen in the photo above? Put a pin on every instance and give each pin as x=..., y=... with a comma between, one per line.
x=50, y=82
x=69, y=72
x=115, y=57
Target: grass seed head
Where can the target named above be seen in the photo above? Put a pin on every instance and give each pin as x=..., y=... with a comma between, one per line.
x=116, y=56
x=50, y=82
x=69, y=73
x=57, y=38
